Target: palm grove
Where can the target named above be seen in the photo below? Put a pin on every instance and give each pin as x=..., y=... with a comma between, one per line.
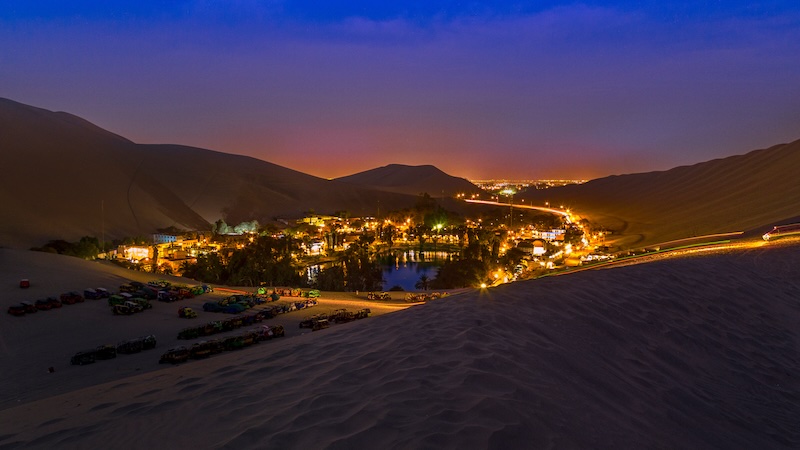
x=271, y=261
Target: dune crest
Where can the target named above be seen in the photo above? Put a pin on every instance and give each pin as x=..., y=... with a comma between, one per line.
x=81, y=180
x=750, y=192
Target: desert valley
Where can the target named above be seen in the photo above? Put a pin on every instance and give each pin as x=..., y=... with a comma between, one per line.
x=685, y=335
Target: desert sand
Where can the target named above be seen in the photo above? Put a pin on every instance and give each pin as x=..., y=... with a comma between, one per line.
x=697, y=352
x=97, y=182
x=750, y=192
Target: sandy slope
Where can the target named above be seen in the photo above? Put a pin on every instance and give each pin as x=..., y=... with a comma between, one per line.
x=689, y=353
x=413, y=180
x=67, y=178
x=31, y=344
x=739, y=193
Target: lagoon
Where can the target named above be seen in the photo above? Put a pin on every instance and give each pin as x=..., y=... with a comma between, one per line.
x=405, y=268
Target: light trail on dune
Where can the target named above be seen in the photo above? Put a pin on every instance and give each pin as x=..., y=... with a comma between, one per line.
x=364, y=303
x=675, y=252
x=697, y=238
x=567, y=214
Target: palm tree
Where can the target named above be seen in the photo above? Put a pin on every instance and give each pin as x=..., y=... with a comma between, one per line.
x=423, y=282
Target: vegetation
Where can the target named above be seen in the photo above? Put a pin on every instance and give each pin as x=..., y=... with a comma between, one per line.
x=475, y=251
x=460, y=273
x=220, y=227
x=266, y=260
x=88, y=247
x=357, y=269
x=423, y=283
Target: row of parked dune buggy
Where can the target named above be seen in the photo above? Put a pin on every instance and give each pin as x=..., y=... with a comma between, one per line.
x=46, y=304
x=320, y=321
x=135, y=297
x=204, y=349
x=288, y=292
x=222, y=326
x=110, y=351
x=413, y=297
x=236, y=304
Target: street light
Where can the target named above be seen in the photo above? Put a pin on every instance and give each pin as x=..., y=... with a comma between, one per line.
x=438, y=228
x=510, y=193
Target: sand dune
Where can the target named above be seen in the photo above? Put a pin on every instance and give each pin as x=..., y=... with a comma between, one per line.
x=414, y=180
x=69, y=178
x=699, y=352
x=739, y=193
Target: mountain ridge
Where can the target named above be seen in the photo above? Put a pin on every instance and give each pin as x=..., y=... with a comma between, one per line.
x=413, y=180
x=73, y=179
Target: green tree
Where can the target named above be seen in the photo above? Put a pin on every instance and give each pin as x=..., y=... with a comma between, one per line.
x=361, y=271
x=331, y=279
x=423, y=282
x=460, y=273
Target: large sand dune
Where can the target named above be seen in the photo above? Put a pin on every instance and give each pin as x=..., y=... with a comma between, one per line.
x=414, y=180
x=66, y=178
x=739, y=193
x=698, y=352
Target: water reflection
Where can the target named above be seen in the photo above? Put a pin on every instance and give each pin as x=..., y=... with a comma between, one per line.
x=400, y=267
x=405, y=268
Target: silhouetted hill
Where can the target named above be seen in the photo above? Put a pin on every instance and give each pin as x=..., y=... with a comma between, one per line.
x=412, y=180
x=66, y=178
x=738, y=193
x=242, y=188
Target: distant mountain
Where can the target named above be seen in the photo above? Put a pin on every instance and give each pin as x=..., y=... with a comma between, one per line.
x=65, y=178
x=738, y=193
x=413, y=180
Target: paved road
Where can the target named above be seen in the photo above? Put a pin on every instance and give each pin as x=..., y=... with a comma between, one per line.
x=566, y=213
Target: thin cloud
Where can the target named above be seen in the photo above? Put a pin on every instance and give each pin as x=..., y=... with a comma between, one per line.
x=577, y=86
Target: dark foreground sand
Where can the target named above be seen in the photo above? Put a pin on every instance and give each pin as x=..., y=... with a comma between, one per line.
x=700, y=352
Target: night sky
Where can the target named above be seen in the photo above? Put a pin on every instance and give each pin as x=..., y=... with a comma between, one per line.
x=498, y=90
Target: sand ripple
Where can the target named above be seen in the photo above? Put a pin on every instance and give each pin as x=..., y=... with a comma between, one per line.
x=695, y=353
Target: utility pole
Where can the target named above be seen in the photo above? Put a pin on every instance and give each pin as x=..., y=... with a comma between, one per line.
x=511, y=211
x=510, y=193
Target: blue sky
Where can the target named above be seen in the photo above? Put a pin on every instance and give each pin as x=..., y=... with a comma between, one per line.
x=501, y=89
